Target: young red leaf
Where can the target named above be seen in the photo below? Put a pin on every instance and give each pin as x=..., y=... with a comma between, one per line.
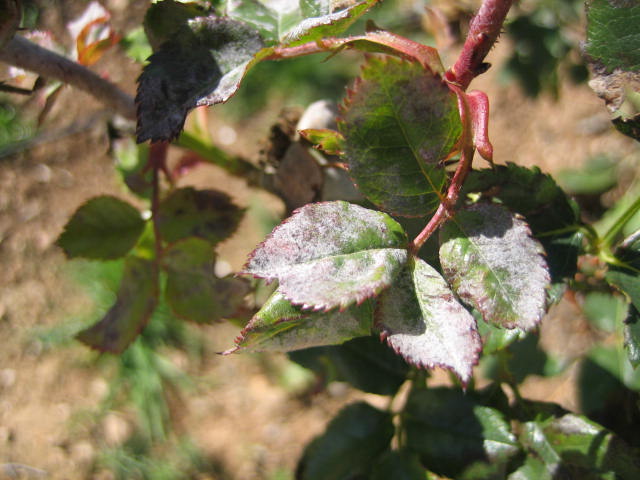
x=490, y=260
x=282, y=327
x=193, y=291
x=422, y=320
x=399, y=122
x=331, y=254
x=135, y=302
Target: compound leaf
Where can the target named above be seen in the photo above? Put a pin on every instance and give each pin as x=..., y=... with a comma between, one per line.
x=201, y=64
x=282, y=327
x=103, y=228
x=452, y=430
x=292, y=22
x=351, y=443
x=135, y=301
x=331, y=254
x=492, y=263
x=399, y=122
x=422, y=321
x=365, y=362
x=193, y=291
x=206, y=214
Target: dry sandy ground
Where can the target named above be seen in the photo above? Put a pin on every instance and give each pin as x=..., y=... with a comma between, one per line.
x=243, y=419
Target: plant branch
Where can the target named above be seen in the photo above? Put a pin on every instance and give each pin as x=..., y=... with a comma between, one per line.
x=157, y=162
x=22, y=53
x=484, y=30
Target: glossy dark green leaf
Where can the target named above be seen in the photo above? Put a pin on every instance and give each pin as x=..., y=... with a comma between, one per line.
x=452, y=430
x=282, y=327
x=399, y=122
x=553, y=217
x=206, y=214
x=351, y=443
x=103, y=228
x=399, y=465
x=291, y=22
x=201, y=64
x=422, y=321
x=492, y=263
x=135, y=301
x=331, y=254
x=366, y=363
x=573, y=445
x=193, y=291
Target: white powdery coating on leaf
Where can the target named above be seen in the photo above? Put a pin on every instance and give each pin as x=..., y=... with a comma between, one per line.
x=342, y=280
x=493, y=263
x=423, y=322
x=332, y=328
x=321, y=230
x=309, y=23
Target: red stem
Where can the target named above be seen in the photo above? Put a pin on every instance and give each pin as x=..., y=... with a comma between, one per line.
x=157, y=162
x=484, y=30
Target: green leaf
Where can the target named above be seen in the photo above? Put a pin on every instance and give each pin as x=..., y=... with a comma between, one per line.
x=613, y=360
x=103, y=228
x=495, y=338
x=135, y=302
x=280, y=326
x=452, y=430
x=632, y=336
x=292, y=22
x=422, y=321
x=399, y=465
x=351, y=443
x=613, y=50
x=492, y=263
x=192, y=290
x=399, y=123
x=532, y=469
x=597, y=176
x=573, y=445
x=625, y=276
x=604, y=310
x=131, y=163
x=366, y=363
x=613, y=37
x=330, y=255
x=553, y=217
x=202, y=64
x=166, y=17
x=206, y=214
x=326, y=140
